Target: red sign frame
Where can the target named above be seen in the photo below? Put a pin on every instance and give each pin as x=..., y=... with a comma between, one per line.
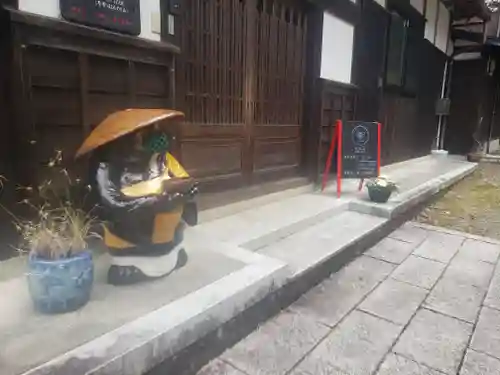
x=337, y=141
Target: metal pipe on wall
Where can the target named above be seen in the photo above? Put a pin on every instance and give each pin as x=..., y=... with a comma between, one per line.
x=440, y=131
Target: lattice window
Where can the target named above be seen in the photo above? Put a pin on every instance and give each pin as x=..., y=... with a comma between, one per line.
x=212, y=71
x=281, y=31
x=210, y=68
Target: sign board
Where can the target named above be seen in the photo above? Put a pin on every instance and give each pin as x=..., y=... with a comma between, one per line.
x=360, y=149
x=358, y=145
x=123, y=16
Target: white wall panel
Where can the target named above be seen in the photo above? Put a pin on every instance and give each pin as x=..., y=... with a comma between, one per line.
x=48, y=8
x=337, y=48
x=443, y=26
x=418, y=5
x=431, y=16
x=148, y=9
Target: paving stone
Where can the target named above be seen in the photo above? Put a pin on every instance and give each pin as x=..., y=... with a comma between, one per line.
x=419, y=271
x=410, y=233
x=493, y=295
x=316, y=366
x=456, y=299
x=439, y=246
x=300, y=372
x=479, y=251
x=480, y=364
x=394, y=301
x=391, y=250
x=335, y=297
x=218, y=367
x=396, y=365
x=435, y=340
x=486, y=337
x=357, y=345
x=277, y=345
x=470, y=272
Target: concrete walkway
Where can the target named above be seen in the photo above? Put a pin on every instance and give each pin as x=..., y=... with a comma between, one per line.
x=424, y=300
x=246, y=262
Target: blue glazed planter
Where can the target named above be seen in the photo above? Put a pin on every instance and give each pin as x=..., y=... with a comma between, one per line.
x=58, y=286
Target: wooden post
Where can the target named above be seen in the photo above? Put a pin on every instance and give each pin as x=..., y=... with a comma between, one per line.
x=83, y=65
x=249, y=88
x=131, y=84
x=379, y=146
x=312, y=116
x=339, y=159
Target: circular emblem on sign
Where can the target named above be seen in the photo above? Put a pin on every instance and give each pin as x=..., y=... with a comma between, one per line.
x=360, y=135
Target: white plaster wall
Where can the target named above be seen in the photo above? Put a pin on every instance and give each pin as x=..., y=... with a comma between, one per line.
x=451, y=47
x=443, y=27
x=382, y=2
x=50, y=8
x=148, y=9
x=431, y=16
x=336, y=50
x=418, y=5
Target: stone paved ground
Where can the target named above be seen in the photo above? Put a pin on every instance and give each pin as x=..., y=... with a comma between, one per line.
x=424, y=301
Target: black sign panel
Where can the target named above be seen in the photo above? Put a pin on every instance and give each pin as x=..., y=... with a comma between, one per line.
x=118, y=15
x=360, y=142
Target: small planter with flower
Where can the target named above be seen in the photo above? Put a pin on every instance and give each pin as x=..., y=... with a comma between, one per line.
x=60, y=265
x=380, y=189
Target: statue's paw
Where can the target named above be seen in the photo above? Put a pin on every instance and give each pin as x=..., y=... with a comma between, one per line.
x=127, y=270
x=125, y=275
x=182, y=259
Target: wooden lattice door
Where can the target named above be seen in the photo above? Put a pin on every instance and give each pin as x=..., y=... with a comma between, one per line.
x=240, y=82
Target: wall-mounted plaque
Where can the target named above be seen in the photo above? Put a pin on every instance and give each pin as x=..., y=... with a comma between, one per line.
x=117, y=15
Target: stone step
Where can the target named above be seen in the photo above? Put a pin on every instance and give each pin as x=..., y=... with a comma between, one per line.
x=216, y=205
x=262, y=225
x=309, y=248
x=129, y=330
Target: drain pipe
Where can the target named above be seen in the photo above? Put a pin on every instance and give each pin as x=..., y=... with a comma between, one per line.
x=496, y=96
x=491, y=71
x=441, y=118
x=444, y=91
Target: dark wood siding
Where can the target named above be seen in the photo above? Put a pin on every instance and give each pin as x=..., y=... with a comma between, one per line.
x=431, y=68
x=64, y=84
x=407, y=111
x=409, y=121
x=338, y=102
x=369, y=59
x=6, y=149
x=469, y=113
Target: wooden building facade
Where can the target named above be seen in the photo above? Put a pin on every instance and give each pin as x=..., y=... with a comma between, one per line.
x=261, y=81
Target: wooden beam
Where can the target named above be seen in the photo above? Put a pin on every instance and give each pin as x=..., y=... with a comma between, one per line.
x=312, y=95
x=249, y=89
x=56, y=25
x=13, y=4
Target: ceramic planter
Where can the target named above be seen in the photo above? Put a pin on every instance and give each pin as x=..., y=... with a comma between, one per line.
x=474, y=157
x=63, y=285
x=379, y=195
